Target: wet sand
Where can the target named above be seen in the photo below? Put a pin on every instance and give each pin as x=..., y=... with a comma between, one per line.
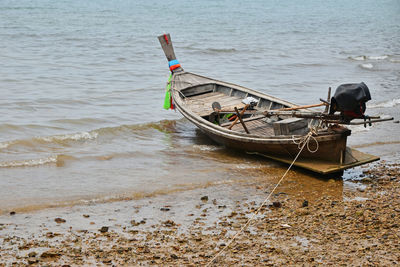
x=353, y=222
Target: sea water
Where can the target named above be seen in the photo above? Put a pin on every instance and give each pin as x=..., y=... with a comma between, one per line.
x=82, y=86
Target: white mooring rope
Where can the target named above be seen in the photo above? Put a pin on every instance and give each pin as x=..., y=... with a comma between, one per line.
x=304, y=142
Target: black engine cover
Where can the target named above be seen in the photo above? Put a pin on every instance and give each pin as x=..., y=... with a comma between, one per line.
x=350, y=100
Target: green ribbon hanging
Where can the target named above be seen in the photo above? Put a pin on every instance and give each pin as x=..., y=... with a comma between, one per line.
x=167, y=99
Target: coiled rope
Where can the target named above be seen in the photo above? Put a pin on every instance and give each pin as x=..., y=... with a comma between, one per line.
x=305, y=140
x=302, y=143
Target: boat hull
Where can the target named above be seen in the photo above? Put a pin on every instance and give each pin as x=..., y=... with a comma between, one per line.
x=328, y=148
x=325, y=150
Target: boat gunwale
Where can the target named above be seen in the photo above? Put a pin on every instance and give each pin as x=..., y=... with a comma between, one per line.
x=233, y=86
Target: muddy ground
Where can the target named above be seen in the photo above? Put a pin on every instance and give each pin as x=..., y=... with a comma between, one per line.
x=353, y=225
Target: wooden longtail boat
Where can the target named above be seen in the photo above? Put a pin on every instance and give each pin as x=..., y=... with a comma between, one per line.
x=208, y=103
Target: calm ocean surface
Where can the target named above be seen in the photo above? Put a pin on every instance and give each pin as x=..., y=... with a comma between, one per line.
x=82, y=85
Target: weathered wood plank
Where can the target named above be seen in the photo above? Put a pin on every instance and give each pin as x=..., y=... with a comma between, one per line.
x=166, y=44
x=229, y=102
x=256, y=126
x=326, y=167
x=204, y=96
x=287, y=126
x=202, y=105
x=221, y=99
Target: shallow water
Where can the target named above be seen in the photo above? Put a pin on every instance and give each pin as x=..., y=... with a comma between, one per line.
x=82, y=87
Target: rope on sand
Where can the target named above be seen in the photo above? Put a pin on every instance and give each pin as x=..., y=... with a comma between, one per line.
x=305, y=142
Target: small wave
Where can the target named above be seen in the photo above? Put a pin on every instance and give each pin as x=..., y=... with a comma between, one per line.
x=358, y=58
x=378, y=57
x=206, y=147
x=165, y=126
x=4, y=145
x=210, y=50
x=191, y=47
x=222, y=50
x=363, y=58
x=367, y=66
x=75, y=137
x=59, y=160
x=168, y=126
x=386, y=104
x=51, y=139
x=247, y=166
x=28, y=163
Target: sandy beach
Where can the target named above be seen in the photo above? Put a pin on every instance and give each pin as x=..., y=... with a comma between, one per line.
x=356, y=224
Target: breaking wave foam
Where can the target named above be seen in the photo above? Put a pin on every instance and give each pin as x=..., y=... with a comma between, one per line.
x=51, y=139
x=29, y=162
x=367, y=66
x=59, y=160
x=206, y=147
x=363, y=58
x=74, y=137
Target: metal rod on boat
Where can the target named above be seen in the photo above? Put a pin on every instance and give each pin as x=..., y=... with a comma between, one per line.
x=370, y=121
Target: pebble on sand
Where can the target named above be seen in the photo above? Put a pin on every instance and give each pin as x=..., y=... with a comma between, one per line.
x=59, y=220
x=52, y=253
x=277, y=204
x=104, y=229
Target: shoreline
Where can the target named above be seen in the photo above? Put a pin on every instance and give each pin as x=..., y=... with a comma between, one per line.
x=339, y=226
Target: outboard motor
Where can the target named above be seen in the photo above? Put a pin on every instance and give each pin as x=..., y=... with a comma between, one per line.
x=350, y=100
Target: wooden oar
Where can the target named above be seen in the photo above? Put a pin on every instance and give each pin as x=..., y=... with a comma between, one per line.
x=302, y=107
x=236, y=120
x=241, y=121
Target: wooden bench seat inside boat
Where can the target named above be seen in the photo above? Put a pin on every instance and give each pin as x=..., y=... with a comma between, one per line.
x=201, y=104
x=257, y=125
